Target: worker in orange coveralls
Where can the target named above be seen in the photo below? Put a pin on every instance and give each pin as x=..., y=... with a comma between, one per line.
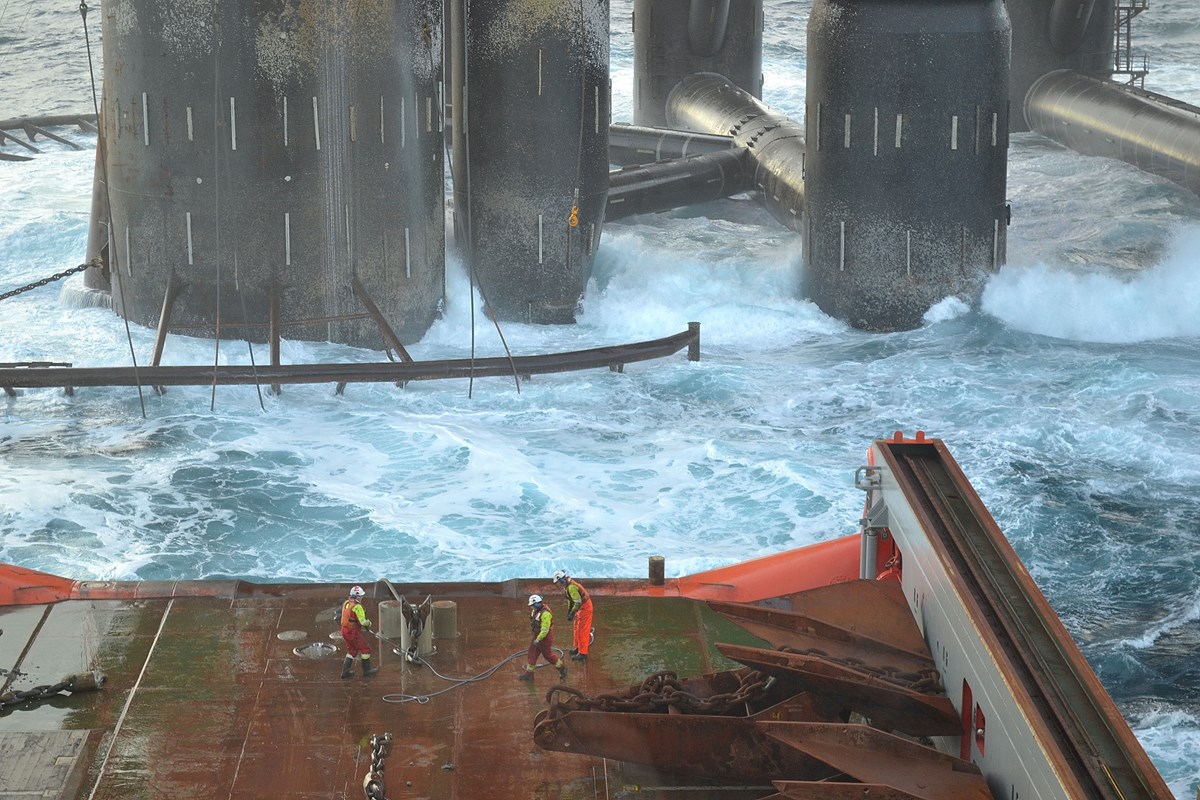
x=579, y=609
x=541, y=625
x=354, y=620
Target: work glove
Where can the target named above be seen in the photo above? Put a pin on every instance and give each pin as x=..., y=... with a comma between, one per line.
x=366, y=623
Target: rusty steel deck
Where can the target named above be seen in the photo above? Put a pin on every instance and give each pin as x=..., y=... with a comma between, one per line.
x=203, y=699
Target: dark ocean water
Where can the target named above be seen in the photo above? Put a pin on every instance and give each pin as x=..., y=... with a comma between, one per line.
x=1071, y=398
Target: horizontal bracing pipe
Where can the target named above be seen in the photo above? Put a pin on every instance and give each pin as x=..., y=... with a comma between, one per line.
x=679, y=182
x=1101, y=118
x=639, y=144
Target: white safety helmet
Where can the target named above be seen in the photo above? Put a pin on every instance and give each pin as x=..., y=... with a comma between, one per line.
x=535, y=599
x=561, y=576
x=357, y=591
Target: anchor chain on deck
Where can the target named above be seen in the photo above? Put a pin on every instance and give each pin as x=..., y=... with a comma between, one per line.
x=82, y=682
x=373, y=785
x=662, y=692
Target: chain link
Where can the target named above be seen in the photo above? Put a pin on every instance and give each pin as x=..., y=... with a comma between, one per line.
x=660, y=692
x=58, y=276
x=84, y=681
x=373, y=786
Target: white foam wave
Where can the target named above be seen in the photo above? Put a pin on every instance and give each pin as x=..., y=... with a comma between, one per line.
x=1185, y=613
x=1099, y=306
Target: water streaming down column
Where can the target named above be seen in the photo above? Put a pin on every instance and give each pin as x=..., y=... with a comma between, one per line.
x=530, y=91
x=906, y=136
x=677, y=38
x=266, y=148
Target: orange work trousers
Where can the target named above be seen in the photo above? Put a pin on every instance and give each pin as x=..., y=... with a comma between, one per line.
x=583, y=627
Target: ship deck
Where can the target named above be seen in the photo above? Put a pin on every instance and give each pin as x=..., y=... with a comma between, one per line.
x=206, y=697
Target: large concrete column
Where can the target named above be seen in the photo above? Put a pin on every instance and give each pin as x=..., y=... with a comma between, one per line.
x=906, y=155
x=530, y=165
x=261, y=147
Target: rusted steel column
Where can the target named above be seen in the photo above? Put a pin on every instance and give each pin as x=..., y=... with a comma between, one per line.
x=164, y=322
x=385, y=329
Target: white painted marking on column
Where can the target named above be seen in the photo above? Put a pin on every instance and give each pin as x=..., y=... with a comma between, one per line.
x=908, y=253
x=541, y=260
x=899, y=128
x=596, y=104
x=842, y=245
x=954, y=132
x=287, y=239
x=316, y=123
x=428, y=114
x=995, y=242
x=347, y=229
x=381, y=119
x=128, y=255
x=232, y=123
x=145, y=120
x=978, y=118
x=876, y=145
x=285, y=123
x=353, y=124
x=189, y=238
x=539, y=72
x=403, y=130
x=407, y=257
x=191, y=138
x=818, y=126
x=994, y=129
x=846, y=134
x=417, y=115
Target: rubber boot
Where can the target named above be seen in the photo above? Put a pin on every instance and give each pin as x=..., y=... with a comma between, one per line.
x=573, y=652
x=347, y=666
x=526, y=675
x=579, y=657
x=562, y=669
x=368, y=670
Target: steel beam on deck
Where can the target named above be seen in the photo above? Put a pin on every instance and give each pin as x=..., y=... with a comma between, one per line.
x=863, y=619
x=877, y=758
x=889, y=705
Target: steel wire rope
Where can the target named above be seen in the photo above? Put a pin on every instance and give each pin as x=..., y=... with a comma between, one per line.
x=472, y=278
x=422, y=699
x=212, y=403
x=238, y=286
x=103, y=158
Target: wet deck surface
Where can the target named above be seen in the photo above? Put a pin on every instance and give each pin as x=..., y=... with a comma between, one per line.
x=204, y=700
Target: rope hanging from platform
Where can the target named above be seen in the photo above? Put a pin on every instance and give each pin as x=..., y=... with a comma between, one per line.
x=83, y=12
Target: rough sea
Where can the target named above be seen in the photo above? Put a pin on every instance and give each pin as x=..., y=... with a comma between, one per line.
x=1071, y=398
